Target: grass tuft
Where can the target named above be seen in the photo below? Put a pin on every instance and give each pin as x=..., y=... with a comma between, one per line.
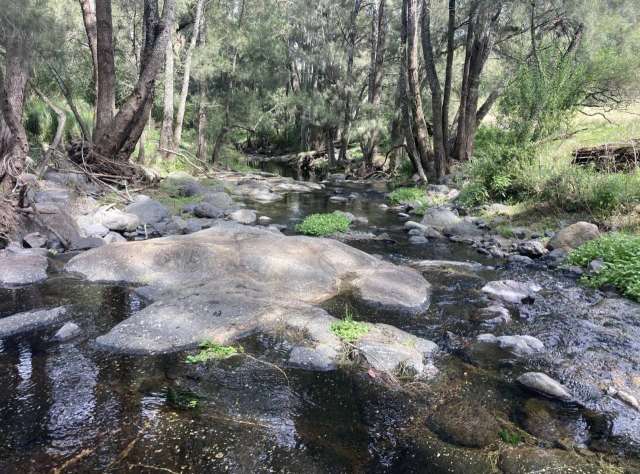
x=407, y=196
x=349, y=330
x=211, y=351
x=319, y=225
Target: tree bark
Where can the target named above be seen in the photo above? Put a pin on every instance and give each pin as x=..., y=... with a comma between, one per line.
x=440, y=154
x=217, y=147
x=419, y=124
x=89, y=19
x=378, y=49
x=446, y=100
x=182, y=103
x=57, y=139
x=106, y=99
x=202, y=122
x=166, y=132
x=351, y=44
x=123, y=133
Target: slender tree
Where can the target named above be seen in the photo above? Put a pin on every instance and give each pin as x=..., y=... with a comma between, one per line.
x=166, y=130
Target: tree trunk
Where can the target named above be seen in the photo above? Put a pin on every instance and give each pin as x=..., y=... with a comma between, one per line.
x=166, y=132
x=14, y=146
x=378, y=48
x=440, y=155
x=57, y=139
x=106, y=99
x=446, y=101
x=182, y=103
x=120, y=137
x=407, y=121
x=89, y=19
x=202, y=122
x=330, y=137
x=351, y=44
x=217, y=148
x=419, y=124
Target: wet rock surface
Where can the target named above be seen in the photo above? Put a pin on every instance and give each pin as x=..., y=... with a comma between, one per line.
x=466, y=425
x=31, y=321
x=22, y=269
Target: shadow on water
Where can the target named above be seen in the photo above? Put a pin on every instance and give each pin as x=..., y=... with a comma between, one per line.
x=76, y=406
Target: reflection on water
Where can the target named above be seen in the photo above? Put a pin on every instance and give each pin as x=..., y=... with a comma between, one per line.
x=98, y=412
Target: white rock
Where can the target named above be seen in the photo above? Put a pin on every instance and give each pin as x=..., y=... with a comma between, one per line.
x=545, y=385
x=512, y=291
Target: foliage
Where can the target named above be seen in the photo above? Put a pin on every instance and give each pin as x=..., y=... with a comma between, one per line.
x=407, y=195
x=211, y=351
x=349, y=330
x=319, y=225
x=508, y=437
x=182, y=399
x=621, y=256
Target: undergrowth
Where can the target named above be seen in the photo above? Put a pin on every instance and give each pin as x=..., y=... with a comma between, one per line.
x=407, y=196
x=621, y=256
x=318, y=225
x=349, y=330
x=211, y=351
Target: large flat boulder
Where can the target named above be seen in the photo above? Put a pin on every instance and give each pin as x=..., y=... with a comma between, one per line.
x=17, y=269
x=31, y=321
x=574, y=236
x=148, y=211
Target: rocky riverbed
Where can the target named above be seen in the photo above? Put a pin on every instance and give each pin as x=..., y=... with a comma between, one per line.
x=480, y=354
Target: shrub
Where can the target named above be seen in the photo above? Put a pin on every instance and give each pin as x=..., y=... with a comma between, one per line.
x=349, y=330
x=621, y=256
x=407, y=195
x=211, y=351
x=324, y=224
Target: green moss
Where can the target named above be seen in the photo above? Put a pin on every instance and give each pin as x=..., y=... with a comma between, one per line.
x=408, y=195
x=324, y=224
x=211, y=351
x=621, y=256
x=349, y=330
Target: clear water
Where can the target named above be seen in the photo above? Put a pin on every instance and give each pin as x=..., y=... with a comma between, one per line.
x=75, y=408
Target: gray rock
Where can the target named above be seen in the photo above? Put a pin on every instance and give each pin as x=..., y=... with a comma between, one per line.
x=494, y=315
x=182, y=184
x=440, y=218
x=264, y=220
x=116, y=220
x=87, y=243
x=418, y=240
x=221, y=200
x=208, y=210
x=113, y=237
x=89, y=228
x=512, y=291
x=148, y=211
x=574, y=236
x=538, y=460
x=544, y=385
x=596, y=266
x=465, y=424
x=35, y=240
x=426, y=265
x=521, y=259
x=57, y=218
x=244, y=216
x=31, y=321
x=321, y=358
x=532, y=248
x=22, y=269
x=338, y=199
x=438, y=189
x=67, y=332
x=519, y=346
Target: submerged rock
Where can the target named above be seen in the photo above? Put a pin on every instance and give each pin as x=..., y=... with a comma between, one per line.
x=67, y=332
x=22, y=269
x=517, y=345
x=465, y=424
x=545, y=385
x=512, y=291
x=574, y=236
x=494, y=315
x=31, y=321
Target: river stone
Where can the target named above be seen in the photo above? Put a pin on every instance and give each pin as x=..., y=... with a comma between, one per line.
x=440, y=218
x=494, y=315
x=57, y=218
x=116, y=220
x=35, y=240
x=89, y=228
x=574, y=236
x=87, y=243
x=465, y=424
x=244, y=216
x=544, y=385
x=512, y=291
x=31, y=321
x=321, y=358
x=182, y=184
x=208, y=210
x=538, y=460
x=540, y=420
x=517, y=345
x=67, y=332
x=148, y=211
x=532, y=249
x=113, y=237
x=22, y=269
x=221, y=200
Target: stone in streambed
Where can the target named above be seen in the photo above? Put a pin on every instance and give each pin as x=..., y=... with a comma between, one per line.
x=35, y=240
x=116, y=220
x=148, y=211
x=574, y=236
x=22, y=269
x=67, y=332
x=465, y=424
x=31, y=321
x=544, y=385
x=244, y=216
x=517, y=345
x=512, y=291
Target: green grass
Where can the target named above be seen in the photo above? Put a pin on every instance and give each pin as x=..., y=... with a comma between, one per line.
x=349, y=330
x=211, y=351
x=508, y=437
x=407, y=196
x=621, y=256
x=319, y=225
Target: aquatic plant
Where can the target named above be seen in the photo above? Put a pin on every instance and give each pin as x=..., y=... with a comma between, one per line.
x=349, y=330
x=621, y=256
x=319, y=225
x=211, y=351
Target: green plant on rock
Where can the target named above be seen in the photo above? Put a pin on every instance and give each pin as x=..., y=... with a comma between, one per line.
x=319, y=225
x=621, y=256
x=407, y=196
x=211, y=351
x=349, y=330
x=508, y=437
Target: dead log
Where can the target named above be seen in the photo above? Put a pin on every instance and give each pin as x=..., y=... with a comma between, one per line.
x=611, y=157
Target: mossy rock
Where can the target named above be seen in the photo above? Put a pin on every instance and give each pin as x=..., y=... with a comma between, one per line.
x=465, y=424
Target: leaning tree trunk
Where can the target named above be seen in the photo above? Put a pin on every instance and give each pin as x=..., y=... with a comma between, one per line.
x=217, y=148
x=378, y=47
x=182, y=103
x=202, y=122
x=91, y=29
x=106, y=99
x=116, y=144
x=166, y=132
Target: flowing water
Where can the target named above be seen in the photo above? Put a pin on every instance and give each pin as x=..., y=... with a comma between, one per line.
x=74, y=408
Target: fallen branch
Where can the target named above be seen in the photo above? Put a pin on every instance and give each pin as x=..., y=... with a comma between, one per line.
x=185, y=158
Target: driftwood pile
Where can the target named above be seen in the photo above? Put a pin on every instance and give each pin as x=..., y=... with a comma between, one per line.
x=610, y=158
